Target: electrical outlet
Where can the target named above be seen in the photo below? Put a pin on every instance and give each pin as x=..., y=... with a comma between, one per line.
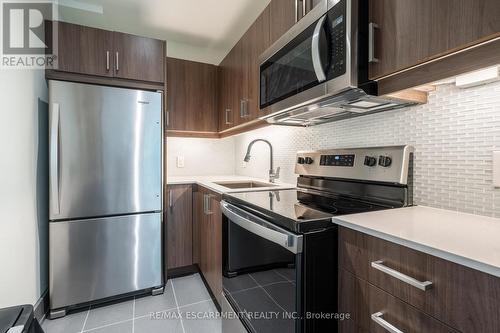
x=180, y=161
x=496, y=168
x=244, y=164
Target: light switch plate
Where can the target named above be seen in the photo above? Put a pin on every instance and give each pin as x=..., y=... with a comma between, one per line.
x=180, y=161
x=496, y=168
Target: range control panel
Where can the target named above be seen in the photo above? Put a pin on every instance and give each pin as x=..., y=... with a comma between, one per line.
x=385, y=164
x=337, y=160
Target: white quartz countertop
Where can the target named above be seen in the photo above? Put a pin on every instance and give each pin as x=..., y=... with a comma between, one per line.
x=210, y=183
x=466, y=239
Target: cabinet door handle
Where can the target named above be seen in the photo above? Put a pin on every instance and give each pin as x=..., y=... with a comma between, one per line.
x=117, y=61
x=206, y=204
x=242, y=107
x=167, y=116
x=227, y=117
x=377, y=317
x=379, y=265
x=107, y=60
x=304, y=9
x=170, y=199
x=371, y=42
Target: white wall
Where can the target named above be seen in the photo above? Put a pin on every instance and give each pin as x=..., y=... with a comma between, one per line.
x=23, y=187
x=454, y=135
x=203, y=157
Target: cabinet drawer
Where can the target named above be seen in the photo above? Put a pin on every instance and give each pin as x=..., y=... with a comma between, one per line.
x=371, y=308
x=463, y=298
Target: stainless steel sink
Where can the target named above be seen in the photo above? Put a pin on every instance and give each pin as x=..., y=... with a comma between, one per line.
x=244, y=184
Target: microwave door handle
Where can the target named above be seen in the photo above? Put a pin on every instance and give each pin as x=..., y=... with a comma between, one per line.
x=257, y=226
x=315, y=53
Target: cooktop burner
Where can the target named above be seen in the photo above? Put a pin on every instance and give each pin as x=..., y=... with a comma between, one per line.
x=297, y=210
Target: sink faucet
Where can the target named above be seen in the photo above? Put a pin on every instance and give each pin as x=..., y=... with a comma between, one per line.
x=273, y=175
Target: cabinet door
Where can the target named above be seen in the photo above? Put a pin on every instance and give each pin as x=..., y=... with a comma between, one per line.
x=198, y=217
x=211, y=240
x=191, y=91
x=411, y=32
x=283, y=16
x=215, y=247
x=139, y=58
x=84, y=50
x=362, y=301
x=257, y=40
x=179, y=226
x=226, y=113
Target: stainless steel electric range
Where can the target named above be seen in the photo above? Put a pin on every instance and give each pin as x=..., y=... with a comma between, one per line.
x=280, y=247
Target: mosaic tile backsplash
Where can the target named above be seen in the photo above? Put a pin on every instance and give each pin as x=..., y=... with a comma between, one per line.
x=454, y=135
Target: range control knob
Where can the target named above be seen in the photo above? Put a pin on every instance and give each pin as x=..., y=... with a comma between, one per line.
x=309, y=160
x=384, y=161
x=370, y=161
x=301, y=160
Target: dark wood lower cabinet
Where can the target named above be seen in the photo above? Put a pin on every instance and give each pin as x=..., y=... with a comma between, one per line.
x=370, y=308
x=463, y=298
x=208, y=217
x=179, y=230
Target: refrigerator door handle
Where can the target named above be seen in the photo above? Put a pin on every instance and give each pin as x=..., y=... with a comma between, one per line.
x=54, y=158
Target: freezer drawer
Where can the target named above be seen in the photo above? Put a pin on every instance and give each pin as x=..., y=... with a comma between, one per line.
x=99, y=258
x=105, y=151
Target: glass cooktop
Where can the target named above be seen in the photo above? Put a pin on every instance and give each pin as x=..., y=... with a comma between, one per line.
x=299, y=211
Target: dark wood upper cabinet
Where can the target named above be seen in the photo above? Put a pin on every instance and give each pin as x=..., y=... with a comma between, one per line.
x=84, y=50
x=283, y=15
x=179, y=226
x=411, y=32
x=225, y=104
x=97, y=52
x=139, y=58
x=191, y=96
x=257, y=40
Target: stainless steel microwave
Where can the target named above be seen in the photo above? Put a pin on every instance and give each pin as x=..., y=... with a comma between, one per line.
x=318, y=71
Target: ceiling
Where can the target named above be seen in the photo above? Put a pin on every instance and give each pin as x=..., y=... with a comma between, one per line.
x=200, y=30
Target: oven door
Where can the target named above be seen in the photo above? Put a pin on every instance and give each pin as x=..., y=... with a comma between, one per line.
x=261, y=272
x=294, y=71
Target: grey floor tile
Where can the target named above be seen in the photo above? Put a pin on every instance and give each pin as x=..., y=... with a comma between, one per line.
x=201, y=318
x=125, y=327
x=283, y=293
x=110, y=314
x=72, y=323
x=190, y=289
x=148, y=304
x=257, y=301
x=169, y=323
x=288, y=273
x=239, y=282
x=266, y=277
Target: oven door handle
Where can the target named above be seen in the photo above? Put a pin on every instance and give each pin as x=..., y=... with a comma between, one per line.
x=315, y=52
x=262, y=228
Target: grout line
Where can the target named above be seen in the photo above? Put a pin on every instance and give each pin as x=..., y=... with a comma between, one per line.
x=133, y=316
x=108, y=325
x=85, y=321
x=284, y=277
x=259, y=286
x=275, y=302
x=177, y=304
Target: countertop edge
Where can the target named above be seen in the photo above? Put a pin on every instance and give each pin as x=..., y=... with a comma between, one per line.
x=464, y=261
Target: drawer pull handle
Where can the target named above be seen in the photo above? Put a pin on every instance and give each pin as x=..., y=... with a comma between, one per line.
x=377, y=317
x=378, y=265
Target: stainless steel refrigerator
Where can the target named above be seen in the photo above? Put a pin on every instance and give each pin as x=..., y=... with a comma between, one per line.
x=105, y=230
